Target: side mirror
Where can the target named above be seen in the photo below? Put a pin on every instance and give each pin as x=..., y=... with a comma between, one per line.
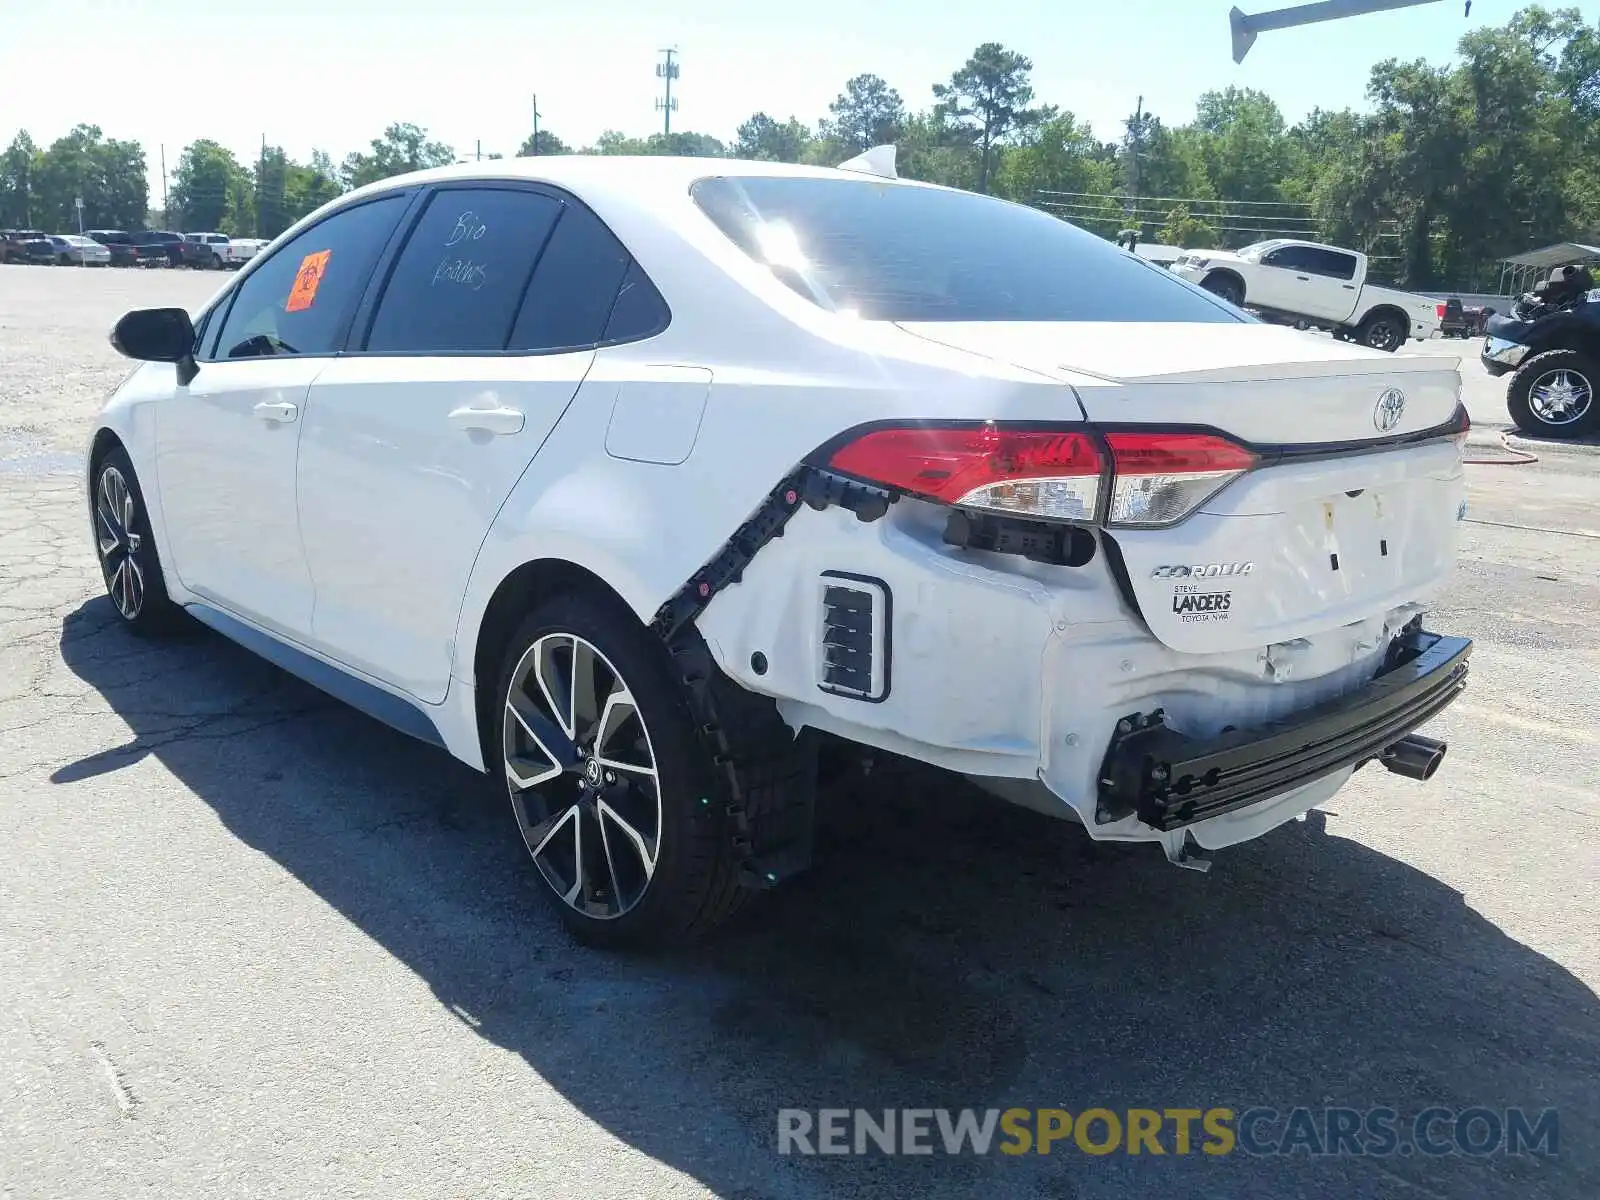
x=155, y=335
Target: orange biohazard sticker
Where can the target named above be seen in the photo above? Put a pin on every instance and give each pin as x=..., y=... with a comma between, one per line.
x=306, y=281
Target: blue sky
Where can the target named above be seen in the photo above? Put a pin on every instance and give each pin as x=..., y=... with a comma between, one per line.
x=331, y=73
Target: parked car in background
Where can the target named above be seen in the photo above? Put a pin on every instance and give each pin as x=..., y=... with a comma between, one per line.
x=12, y=240
x=1309, y=284
x=38, y=252
x=74, y=249
x=126, y=250
x=1460, y=320
x=218, y=251
x=170, y=244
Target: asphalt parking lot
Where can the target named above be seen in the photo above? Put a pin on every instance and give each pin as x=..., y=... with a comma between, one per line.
x=253, y=944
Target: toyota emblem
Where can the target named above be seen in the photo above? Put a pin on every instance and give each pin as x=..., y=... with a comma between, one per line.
x=1391, y=407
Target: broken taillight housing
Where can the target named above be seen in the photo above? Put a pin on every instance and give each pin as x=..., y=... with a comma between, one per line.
x=1160, y=478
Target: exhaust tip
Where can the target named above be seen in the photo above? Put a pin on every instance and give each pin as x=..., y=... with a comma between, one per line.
x=1415, y=757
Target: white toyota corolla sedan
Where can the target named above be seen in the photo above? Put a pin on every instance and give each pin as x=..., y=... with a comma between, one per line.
x=631, y=482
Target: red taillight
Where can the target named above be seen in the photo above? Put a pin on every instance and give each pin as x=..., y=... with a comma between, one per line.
x=1439, y=308
x=1053, y=474
x=1160, y=478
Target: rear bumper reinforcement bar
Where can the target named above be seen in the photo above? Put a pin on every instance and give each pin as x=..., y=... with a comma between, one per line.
x=1171, y=780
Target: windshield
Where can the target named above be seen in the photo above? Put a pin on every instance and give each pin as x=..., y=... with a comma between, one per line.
x=1255, y=249
x=892, y=252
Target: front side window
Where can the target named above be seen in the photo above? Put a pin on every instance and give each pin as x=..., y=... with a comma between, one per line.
x=1334, y=264
x=1290, y=258
x=456, y=286
x=299, y=300
x=899, y=252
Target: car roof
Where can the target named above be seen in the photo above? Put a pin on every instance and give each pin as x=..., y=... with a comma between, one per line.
x=621, y=174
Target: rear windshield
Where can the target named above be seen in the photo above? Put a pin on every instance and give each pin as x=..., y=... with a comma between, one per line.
x=891, y=252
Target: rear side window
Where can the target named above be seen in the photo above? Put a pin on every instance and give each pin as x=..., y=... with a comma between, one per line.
x=457, y=284
x=639, y=311
x=300, y=299
x=900, y=252
x=570, y=297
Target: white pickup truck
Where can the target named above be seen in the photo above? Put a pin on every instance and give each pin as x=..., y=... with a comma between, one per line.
x=219, y=251
x=1309, y=284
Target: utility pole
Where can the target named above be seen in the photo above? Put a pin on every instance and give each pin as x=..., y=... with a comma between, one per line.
x=166, y=217
x=480, y=151
x=1137, y=137
x=261, y=186
x=667, y=71
x=536, y=122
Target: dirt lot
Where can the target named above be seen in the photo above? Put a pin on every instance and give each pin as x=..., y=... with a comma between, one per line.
x=253, y=944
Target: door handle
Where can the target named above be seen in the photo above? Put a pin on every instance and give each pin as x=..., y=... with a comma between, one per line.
x=281, y=411
x=489, y=420
x=1349, y=287
x=1303, y=278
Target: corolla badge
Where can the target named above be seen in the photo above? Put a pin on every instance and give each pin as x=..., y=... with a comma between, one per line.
x=1391, y=407
x=1203, y=570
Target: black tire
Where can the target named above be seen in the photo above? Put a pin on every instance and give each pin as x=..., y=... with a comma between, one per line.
x=1382, y=331
x=216, y=261
x=126, y=549
x=1552, y=395
x=618, y=899
x=1225, y=287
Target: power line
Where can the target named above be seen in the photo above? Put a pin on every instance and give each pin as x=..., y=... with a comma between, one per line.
x=1181, y=199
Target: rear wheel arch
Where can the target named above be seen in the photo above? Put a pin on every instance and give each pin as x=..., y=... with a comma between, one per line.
x=105, y=440
x=1381, y=314
x=516, y=595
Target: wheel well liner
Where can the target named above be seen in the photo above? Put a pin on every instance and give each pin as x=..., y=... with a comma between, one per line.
x=105, y=441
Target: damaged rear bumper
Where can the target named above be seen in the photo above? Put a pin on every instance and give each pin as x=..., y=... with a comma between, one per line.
x=1171, y=780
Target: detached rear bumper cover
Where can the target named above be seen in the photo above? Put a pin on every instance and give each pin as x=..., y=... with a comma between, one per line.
x=1172, y=780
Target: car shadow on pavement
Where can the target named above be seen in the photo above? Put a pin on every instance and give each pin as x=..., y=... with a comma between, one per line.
x=945, y=951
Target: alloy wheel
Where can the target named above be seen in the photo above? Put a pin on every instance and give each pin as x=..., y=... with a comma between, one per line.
x=119, y=543
x=582, y=775
x=1383, y=335
x=1560, y=397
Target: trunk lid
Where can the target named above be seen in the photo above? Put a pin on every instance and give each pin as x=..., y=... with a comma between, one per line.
x=1342, y=520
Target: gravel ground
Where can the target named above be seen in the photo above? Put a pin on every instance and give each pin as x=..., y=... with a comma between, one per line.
x=253, y=944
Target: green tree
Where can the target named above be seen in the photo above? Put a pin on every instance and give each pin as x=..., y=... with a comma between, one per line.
x=989, y=97
x=203, y=184
x=402, y=148
x=1060, y=155
x=16, y=181
x=934, y=150
x=107, y=174
x=1244, y=144
x=308, y=187
x=548, y=143
x=867, y=113
x=761, y=137
x=1188, y=231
